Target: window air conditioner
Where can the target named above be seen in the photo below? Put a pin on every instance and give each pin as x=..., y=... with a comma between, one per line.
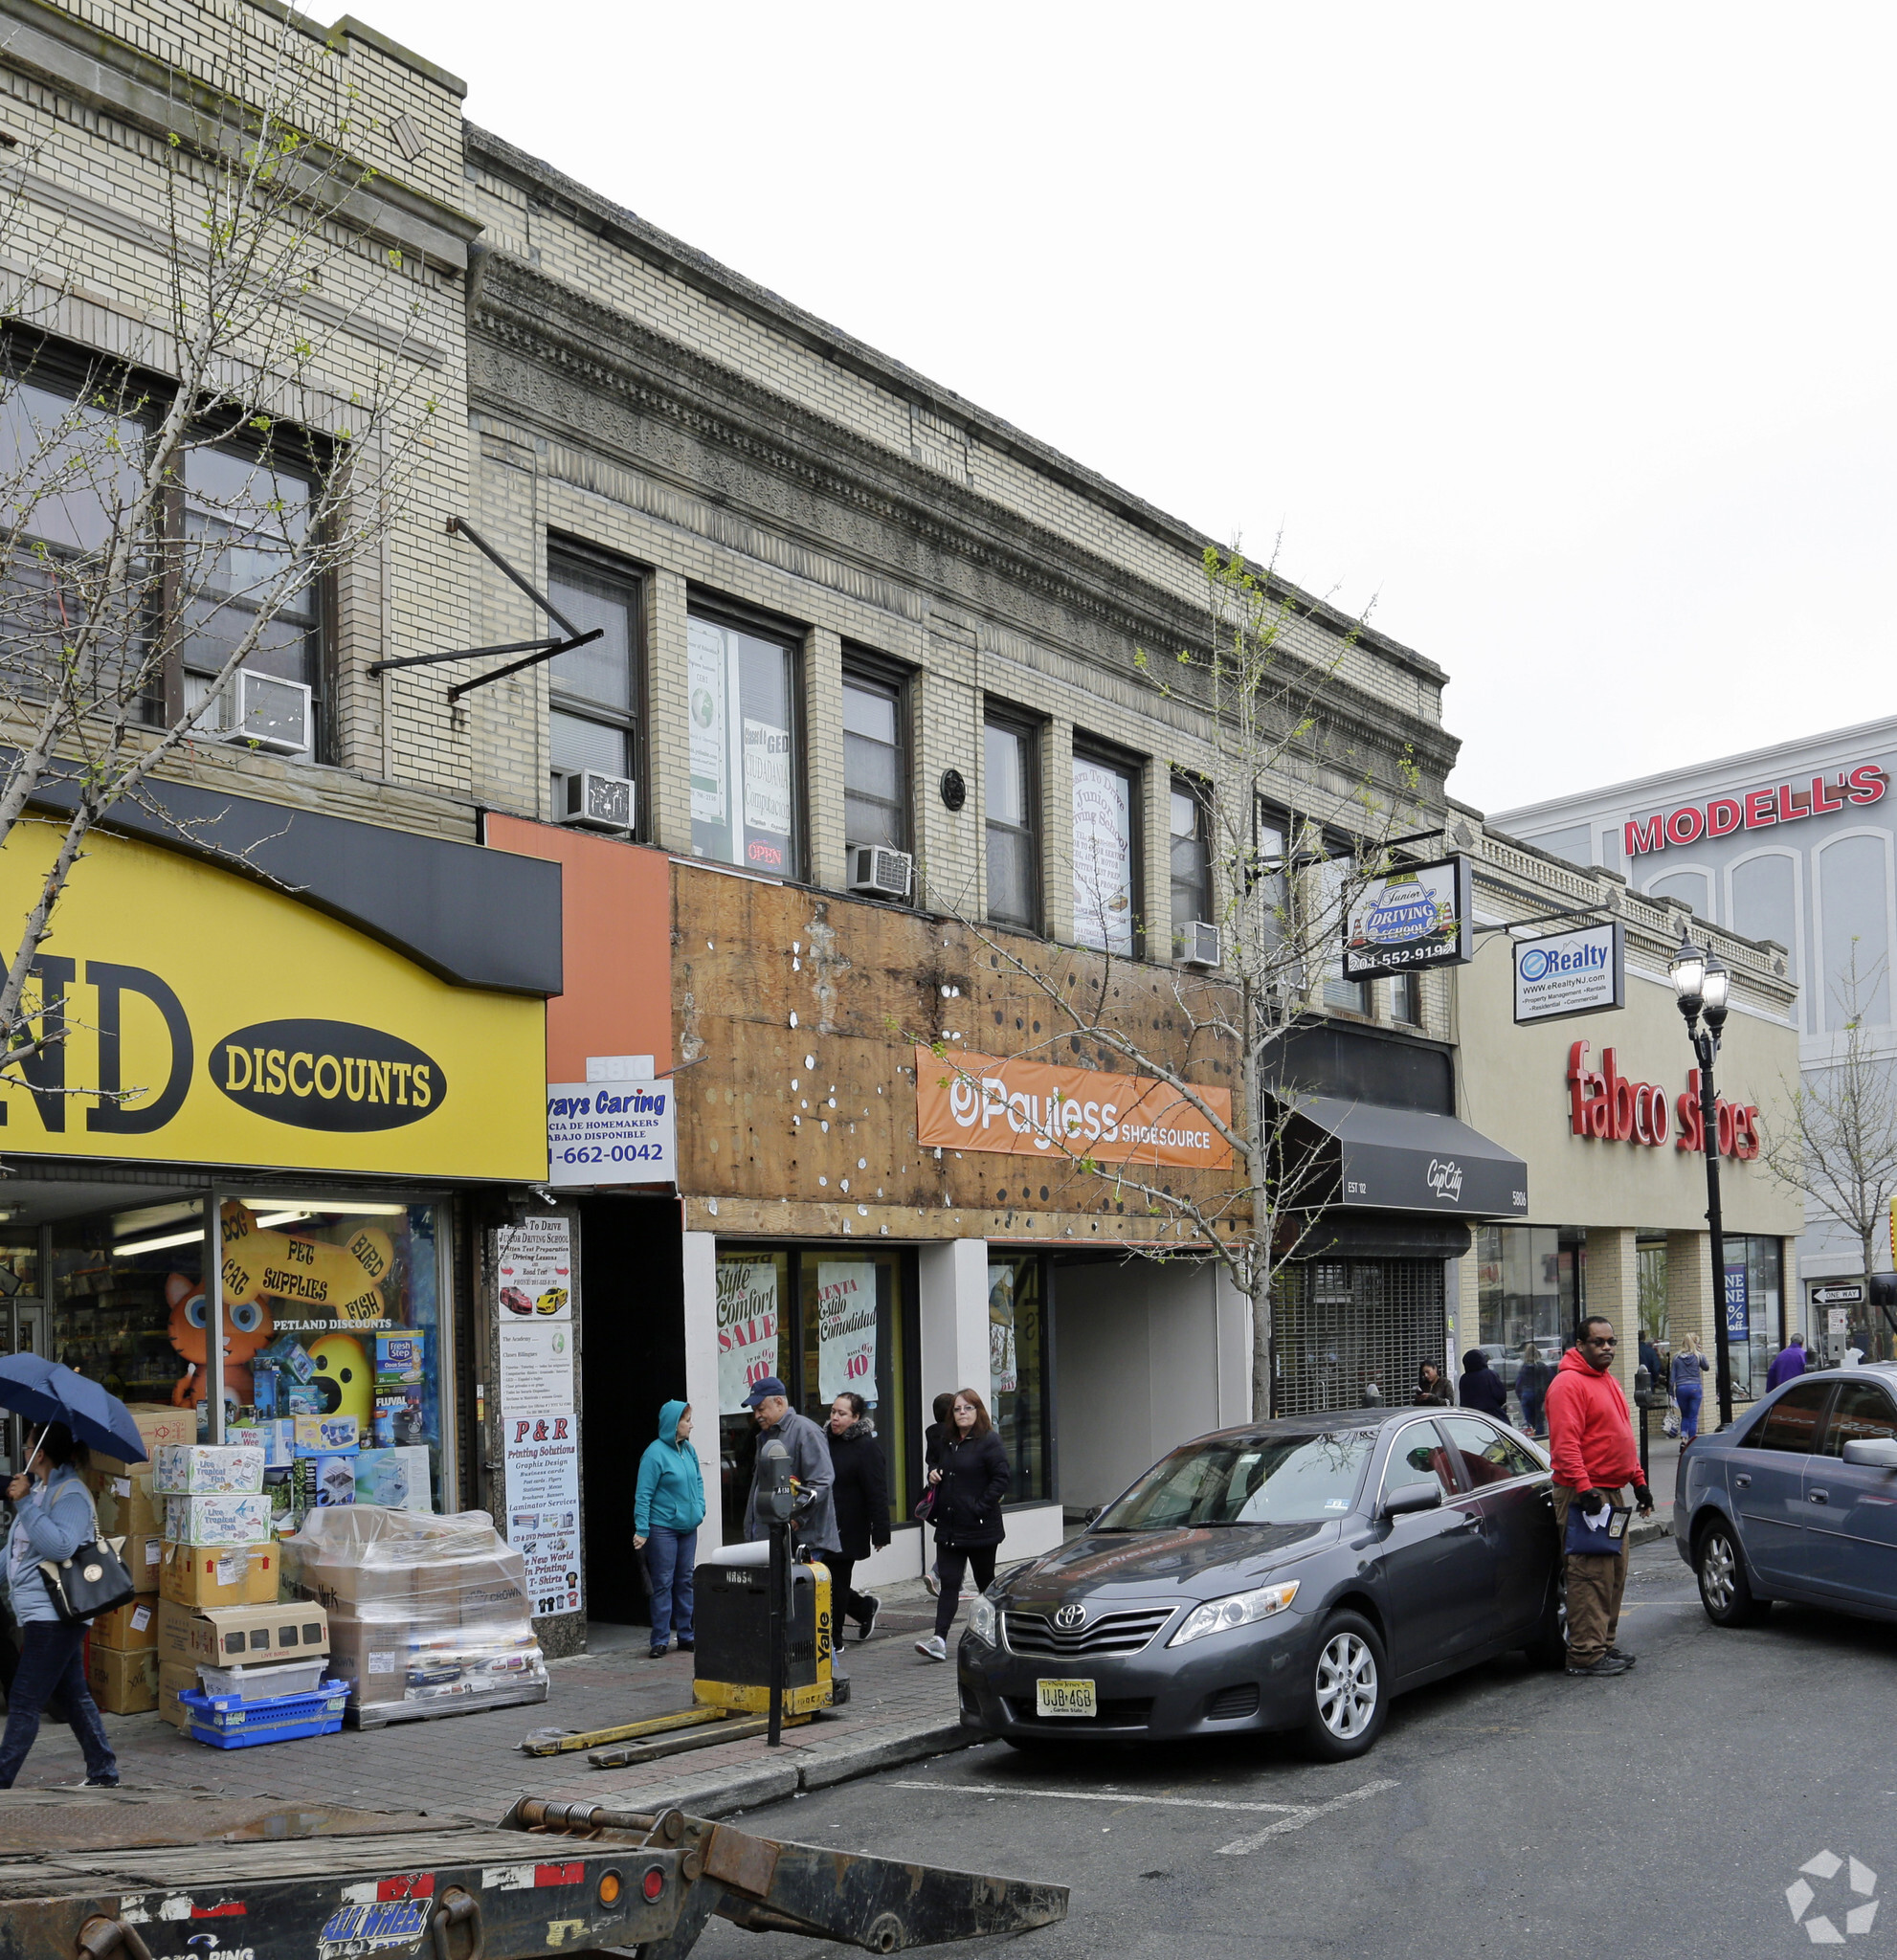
x=883, y=873
x=262, y=711
x=1199, y=945
x=597, y=801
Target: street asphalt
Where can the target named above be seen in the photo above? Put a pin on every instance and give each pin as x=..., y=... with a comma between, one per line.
x=1506, y=1811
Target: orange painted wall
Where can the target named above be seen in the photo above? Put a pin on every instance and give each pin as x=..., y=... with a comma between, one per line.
x=617, y=931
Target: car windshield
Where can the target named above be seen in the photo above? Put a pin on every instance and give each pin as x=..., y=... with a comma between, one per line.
x=1273, y=1479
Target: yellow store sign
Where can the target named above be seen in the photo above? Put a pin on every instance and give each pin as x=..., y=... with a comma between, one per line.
x=210, y=1020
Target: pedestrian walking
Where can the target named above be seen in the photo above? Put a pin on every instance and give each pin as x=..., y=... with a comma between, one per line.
x=931, y=1460
x=1590, y=1441
x=970, y=1482
x=1432, y=1390
x=861, y=1497
x=52, y=1517
x=816, y=1521
x=1788, y=1364
x=1688, y=1385
x=668, y=1507
x=1650, y=1360
x=1481, y=1387
x=1531, y=1379
x=1857, y=1345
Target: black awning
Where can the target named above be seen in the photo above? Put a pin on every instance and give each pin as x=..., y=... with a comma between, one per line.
x=1408, y=1160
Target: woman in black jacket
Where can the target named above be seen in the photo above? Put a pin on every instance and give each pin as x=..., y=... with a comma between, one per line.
x=969, y=1482
x=860, y=1495
x=1481, y=1387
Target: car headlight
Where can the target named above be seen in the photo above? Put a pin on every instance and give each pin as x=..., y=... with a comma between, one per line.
x=985, y=1622
x=1235, y=1609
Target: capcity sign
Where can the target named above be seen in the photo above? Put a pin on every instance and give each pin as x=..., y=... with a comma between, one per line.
x=1719, y=816
x=1605, y=1103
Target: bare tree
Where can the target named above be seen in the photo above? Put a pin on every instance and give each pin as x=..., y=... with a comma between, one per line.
x=169, y=515
x=1294, y=827
x=1839, y=1152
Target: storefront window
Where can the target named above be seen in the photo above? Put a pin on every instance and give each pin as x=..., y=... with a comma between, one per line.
x=1018, y=1371
x=821, y=1319
x=332, y=1310
x=1754, y=1293
x=1527, y=1287
x=743, y=749
x=1650, y=1271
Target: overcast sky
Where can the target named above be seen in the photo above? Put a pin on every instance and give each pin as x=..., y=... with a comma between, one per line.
x=1561, y=337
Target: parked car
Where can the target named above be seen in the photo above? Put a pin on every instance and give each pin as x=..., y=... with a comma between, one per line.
x=1292, y=1574
x=1797, y=1501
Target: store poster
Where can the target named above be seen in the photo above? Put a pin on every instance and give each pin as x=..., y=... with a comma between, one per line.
x=1003, y=1368
x=1738, y=1317
x=534, y=1264
x=1102, y=858
x=706, y=669
x=536, y=1369
x=542, y=1461
x=746, y=1330
x=846, y=1329
x=767, y=778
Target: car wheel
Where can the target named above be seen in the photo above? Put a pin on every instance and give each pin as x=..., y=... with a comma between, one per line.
x=1349, y=1690
x=1724, y=1591
x=1549, y=1648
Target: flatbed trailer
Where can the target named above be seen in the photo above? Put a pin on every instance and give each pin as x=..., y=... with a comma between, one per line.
x=123, y=1875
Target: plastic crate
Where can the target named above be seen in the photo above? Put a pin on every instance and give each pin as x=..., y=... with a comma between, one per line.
x=274, y=1680
x=228, y=1722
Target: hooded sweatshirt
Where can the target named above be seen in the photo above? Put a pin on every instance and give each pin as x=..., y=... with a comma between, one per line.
x=671, y=1492
x=1590, y=1438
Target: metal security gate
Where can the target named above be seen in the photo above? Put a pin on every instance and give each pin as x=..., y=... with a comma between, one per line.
x=1345, y=1327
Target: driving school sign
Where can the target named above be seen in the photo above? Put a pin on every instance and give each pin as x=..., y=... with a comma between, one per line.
x=1421, y=916
x=1566, y=973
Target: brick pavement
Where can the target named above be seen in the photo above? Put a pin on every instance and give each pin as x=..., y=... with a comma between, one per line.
x=471, y=1765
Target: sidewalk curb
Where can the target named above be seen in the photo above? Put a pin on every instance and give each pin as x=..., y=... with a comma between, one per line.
x=1649, y=1531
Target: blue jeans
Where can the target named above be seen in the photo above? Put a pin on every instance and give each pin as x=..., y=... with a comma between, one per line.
x=1531, y=1412
x=1689, y=1400
x=49, y=1664
x=669, y=1556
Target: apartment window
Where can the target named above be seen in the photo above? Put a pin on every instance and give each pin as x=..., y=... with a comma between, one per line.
x=875, y=763
x=1334, y=892
x=593, y=692
x=1406, y=999
x=745, y=796
x=1190, y=855
x=1106, y=801
x=1010, y=798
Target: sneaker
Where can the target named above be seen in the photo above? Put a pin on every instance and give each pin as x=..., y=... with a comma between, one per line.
x=1621, y=1654
x=866, y=1626
x=99, y=1783
x=934, y=1584
x=1602, y=1669
x=934, y=1648
x=657, y=1654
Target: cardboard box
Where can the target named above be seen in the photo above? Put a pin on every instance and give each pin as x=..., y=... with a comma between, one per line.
x=175, y=1630
x=126, y=1504
x=205, y=1520
x=245, y=1636
x=319, y=1482
x=326, y=1435
x=157, y=1423
x=199, y=1575
x=173, y=1674
x=127, y=1629
x=289, y=1357
x=275, y=1435
x=387, y=1477
x=223, y=1469
x=387, y=1591
x=144, y=1560
x=122, y=1683
x=488, y=1590
x=372, y=1657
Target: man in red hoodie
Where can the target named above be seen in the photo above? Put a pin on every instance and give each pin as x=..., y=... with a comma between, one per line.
x=1590, y=1441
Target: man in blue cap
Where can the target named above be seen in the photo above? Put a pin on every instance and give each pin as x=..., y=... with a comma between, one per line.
x=816, y=1523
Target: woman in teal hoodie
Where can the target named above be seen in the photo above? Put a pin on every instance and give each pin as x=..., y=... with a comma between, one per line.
x=666, y=1514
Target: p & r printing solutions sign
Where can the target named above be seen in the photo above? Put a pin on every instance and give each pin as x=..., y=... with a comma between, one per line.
x=1421, y=916
x=1578, y=972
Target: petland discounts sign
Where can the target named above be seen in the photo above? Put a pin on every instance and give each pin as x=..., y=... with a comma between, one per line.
x=1419, y=916
x=1579, y=972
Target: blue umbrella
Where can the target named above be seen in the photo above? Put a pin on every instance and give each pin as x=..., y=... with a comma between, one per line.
x=44, y=1390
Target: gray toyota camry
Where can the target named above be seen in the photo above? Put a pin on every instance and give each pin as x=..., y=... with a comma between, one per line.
x=1291, y=1575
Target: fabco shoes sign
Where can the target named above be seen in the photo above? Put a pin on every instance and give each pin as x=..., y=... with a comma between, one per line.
x=1419, y=916
x=1579, y=972
x=1751, y=810
x=1603, y=1102
x=195, y=1017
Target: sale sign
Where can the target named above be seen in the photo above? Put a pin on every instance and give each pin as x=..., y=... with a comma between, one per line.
x=746, y=1329
x=846, y=1329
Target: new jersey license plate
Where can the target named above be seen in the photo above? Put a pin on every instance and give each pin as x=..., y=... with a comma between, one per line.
x=1063, y=1698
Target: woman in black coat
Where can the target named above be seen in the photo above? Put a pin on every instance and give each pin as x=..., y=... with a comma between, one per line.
x=970, y=1482
x=860, y=1495
x=1481, y=1387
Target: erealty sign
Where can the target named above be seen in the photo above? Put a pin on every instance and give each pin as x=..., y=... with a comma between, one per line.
x=1578, y=972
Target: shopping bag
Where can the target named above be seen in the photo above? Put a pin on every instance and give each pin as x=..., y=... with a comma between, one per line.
x=1597, y=1534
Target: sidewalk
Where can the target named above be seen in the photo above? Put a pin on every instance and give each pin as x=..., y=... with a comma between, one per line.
x=901, y=1707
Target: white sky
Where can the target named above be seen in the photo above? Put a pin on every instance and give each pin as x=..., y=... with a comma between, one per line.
x=1564, y=334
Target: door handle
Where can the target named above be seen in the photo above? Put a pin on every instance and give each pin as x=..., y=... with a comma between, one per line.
x=1741, y=1481
x=1820, y=1497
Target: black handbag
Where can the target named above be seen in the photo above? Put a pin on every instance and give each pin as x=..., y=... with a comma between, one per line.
x=93, y=1581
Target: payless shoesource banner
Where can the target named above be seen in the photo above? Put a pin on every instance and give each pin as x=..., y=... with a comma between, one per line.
x=245, y=1027
x=1033, y=1108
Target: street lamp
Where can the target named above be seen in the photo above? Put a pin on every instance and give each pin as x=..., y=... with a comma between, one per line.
x=1702, y=982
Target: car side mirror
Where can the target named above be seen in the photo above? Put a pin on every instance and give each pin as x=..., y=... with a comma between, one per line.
x=1874, y=1453
x=1422, y=1496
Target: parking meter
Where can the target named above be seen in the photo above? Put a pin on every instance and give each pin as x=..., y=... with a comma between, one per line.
x=776, y=1502
x=1646, y=1397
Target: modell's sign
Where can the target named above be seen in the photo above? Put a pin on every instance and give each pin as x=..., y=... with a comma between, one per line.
x=1033, y=1108
x=1603, y=1102
x=1719, y=816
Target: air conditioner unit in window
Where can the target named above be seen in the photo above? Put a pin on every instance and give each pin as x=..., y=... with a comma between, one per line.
x=880, y=872
x=597, y=801
x=263, y=711
x=1199, y=945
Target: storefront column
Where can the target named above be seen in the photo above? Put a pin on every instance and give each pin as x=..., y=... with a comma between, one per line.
x=1614, y=1289
x=1690, y=1298
x=1794, y=1305
x=1461, y=1290
x=953, y=1297
x=702, y=1376
x=1234, y=1317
